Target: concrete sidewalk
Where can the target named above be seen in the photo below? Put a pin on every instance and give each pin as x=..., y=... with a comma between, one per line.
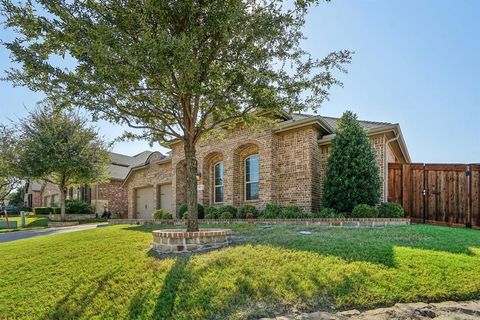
x=17, y=235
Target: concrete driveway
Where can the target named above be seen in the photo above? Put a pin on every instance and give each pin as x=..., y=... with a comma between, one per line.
x=17, y=235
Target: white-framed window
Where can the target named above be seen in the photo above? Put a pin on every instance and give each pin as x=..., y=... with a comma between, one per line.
x=252, y=173
x=218, y=182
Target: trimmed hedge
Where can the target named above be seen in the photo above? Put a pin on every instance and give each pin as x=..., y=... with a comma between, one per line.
x=74, y=206
x=390, y=210
x=245, y=209
x=328, y=213
x=212, y=213
x=46, y=210
x=228, y=208
x=161, y=214
x=364, y=211
x=184, y=208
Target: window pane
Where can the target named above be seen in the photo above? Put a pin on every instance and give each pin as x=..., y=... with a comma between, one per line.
x=218, y=194
x=219, y=174
x=252, y=191
x=252, y=169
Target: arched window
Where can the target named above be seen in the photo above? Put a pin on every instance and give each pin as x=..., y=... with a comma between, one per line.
x=252, y=170
x=218, y=182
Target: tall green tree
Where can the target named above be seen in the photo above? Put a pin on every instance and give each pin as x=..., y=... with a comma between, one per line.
x=352, y=175
x=173, y=69
x=9, y=176
x=60, y=147
x=16, y=198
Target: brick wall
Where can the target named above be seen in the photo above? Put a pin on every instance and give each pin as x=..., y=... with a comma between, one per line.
x=292, y=168
x=112, y=194
x=50, y=193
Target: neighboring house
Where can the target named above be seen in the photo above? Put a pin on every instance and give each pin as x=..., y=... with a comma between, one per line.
x=111, y=195
x=33, y=197
x=282, y=164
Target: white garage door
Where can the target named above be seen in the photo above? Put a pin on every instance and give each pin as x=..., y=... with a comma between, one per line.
x=166, y=197
x=144, y=204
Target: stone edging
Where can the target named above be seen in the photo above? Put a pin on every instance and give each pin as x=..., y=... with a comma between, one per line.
x=328, y=222
x=55, y=224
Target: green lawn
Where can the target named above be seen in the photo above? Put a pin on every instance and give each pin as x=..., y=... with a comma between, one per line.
x=39, y=222
x=31, y=223
x=110, y=273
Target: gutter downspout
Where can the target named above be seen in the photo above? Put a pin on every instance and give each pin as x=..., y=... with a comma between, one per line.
x=385, y=163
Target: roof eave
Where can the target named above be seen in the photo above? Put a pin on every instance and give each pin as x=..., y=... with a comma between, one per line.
x=314, y=120
x=142, y=166
x=395, y=128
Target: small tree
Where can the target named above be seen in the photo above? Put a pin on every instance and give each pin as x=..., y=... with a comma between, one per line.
x=9, y=178
x=175, y=69
x=352, y=175
x=60, y=147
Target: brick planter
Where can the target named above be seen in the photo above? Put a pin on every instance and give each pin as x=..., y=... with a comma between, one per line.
x=178, y=240
x=54, y=224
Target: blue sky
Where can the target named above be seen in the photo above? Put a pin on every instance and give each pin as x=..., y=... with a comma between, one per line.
x=416, y=63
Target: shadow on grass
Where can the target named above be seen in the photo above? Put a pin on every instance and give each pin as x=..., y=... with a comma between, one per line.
x=165, y=301
x=74, y=303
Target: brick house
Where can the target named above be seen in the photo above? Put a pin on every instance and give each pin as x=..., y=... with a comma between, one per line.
x=283, y=164
x=33, y=196
x=111, y=195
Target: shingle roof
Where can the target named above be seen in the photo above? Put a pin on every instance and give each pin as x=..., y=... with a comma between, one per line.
x=333, y=121
x=121, y=164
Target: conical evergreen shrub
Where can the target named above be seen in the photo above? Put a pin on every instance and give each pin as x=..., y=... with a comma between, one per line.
x=352, y=175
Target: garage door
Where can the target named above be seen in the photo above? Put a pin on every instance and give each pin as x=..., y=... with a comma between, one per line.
x=144, y=204
x=165, y=191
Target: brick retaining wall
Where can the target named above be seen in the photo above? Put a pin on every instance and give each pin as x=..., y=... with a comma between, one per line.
x=345, y=222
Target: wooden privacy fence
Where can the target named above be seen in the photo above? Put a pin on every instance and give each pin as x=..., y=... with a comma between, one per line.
x=445, y=194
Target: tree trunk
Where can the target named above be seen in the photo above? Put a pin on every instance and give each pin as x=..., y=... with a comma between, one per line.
x=191, y=160
x=63, y=196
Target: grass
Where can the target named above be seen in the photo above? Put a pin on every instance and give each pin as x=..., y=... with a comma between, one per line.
x=35, y=222
x=111, y=273
x=41, y=221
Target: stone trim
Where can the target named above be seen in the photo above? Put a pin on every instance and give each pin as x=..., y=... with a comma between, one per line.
x=327, y=222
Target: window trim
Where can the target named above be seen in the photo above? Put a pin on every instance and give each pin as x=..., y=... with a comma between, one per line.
x=222, y=185
x=250, y=182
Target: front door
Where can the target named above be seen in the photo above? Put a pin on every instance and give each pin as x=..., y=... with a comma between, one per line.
x=165, y=191
x=144, y=203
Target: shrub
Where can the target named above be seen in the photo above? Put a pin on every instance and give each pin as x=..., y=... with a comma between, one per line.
x=364, y=211
x=291, y=212
x=328, y=213
x=390, y=210
x=226, y=215
x=271, y=211
x=352, y=175
x=56, y=210
x=245, y=209
x=185, y=215
x=211, y=213
x=227, y=208
x=161, y=214
x=184, y=208
x=77, y=207
x=42, y=210
x=250, y=215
